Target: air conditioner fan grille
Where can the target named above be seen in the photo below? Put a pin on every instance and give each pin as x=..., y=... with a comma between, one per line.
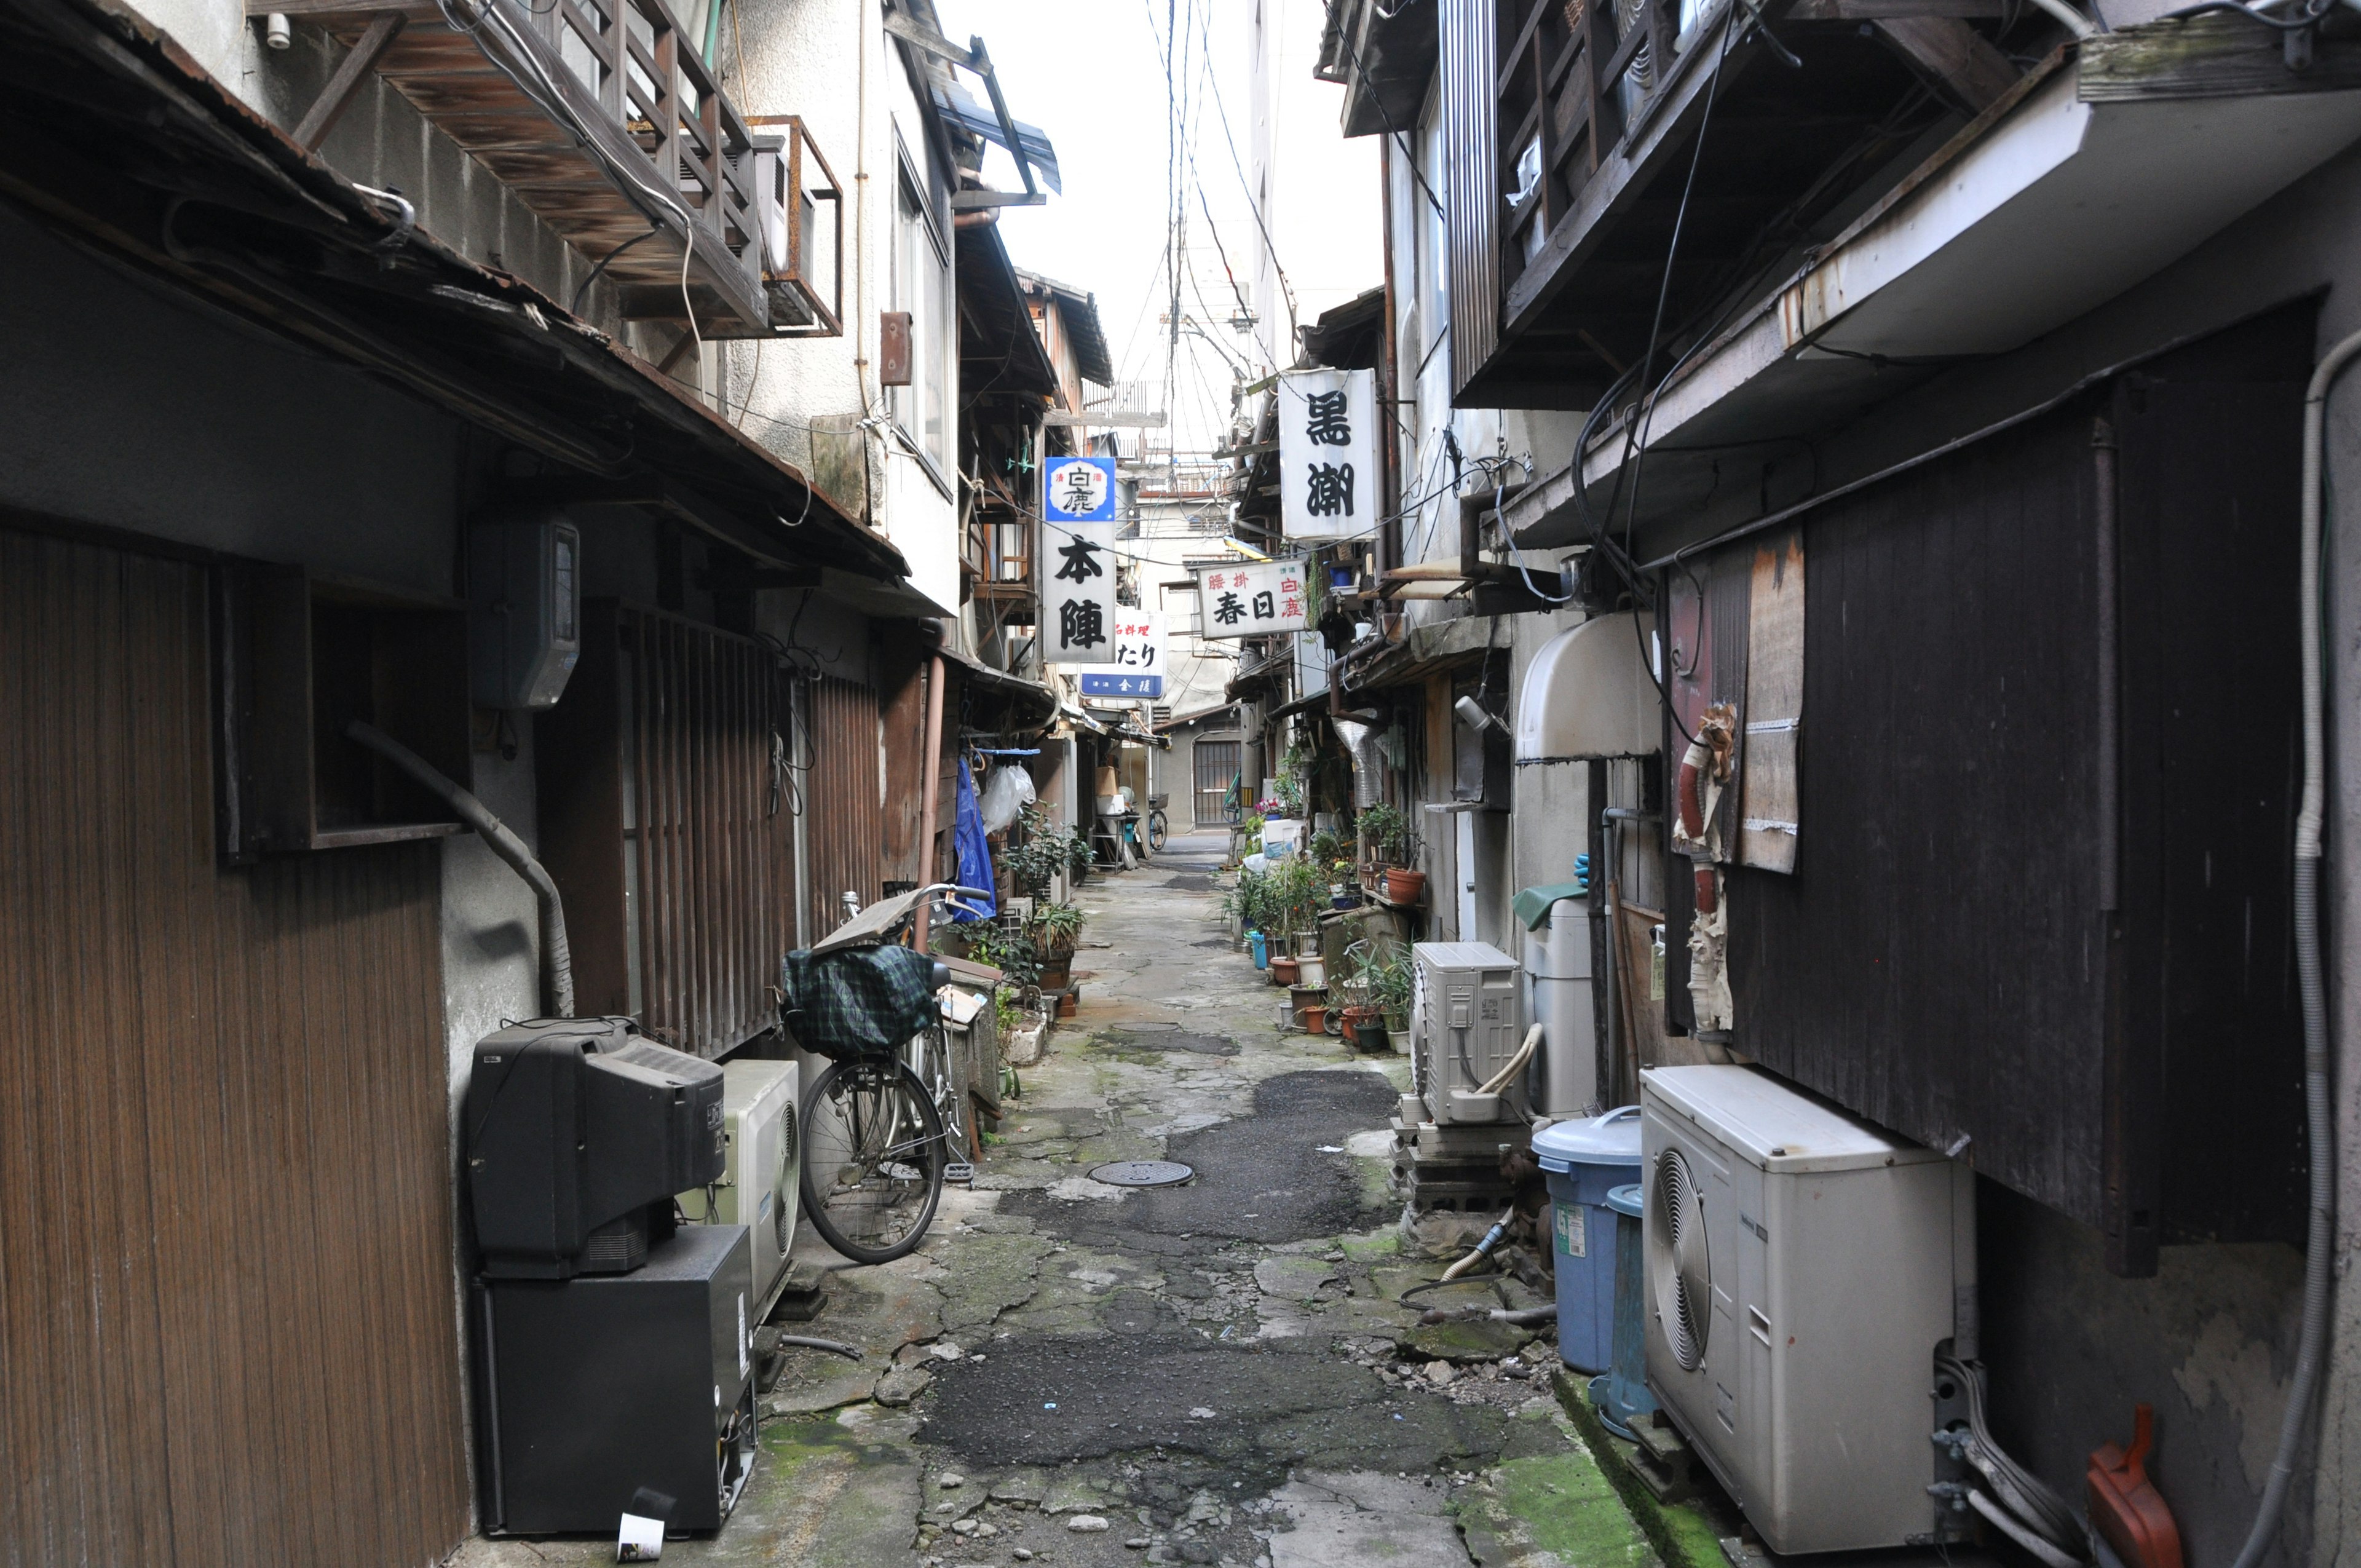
x=1678, y=1263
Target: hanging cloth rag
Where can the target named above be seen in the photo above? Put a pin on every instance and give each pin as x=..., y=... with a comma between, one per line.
x=974, y=854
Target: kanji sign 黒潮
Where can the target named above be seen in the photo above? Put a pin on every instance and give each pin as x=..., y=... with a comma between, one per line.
x=1327, y=449
x=1252, y=600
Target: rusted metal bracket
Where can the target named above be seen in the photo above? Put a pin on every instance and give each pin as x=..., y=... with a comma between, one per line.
x=337, y=95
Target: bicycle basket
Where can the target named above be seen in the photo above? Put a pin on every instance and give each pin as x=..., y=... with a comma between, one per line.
x=857, y=1002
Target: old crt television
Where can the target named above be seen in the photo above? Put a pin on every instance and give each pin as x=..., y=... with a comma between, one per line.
x=579, y=1132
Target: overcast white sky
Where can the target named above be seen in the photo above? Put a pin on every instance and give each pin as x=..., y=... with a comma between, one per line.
x=1091, y=74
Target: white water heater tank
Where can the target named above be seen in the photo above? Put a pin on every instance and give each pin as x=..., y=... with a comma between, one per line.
x=1557, y=970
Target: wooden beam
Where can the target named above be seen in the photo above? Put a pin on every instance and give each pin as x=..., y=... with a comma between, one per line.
x=337, y=95
x=1067, y=418
x=1879, y=10
x=2213, y=55
x=984, y=201
x=1970, y=69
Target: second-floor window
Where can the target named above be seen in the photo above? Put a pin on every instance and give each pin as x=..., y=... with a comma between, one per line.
x=922, y=285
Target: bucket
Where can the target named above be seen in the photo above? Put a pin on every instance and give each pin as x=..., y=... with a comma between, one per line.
x=1620, y=1394
x=1583, y=1160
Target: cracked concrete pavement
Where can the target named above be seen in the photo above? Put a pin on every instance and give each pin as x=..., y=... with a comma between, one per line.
x=1221, y=1373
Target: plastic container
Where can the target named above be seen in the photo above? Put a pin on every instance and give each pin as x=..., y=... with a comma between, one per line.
x=1261, y=953
x=1620, y=1394
x=1583, y=1160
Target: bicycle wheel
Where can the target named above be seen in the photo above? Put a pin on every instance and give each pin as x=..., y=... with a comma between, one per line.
x=929, y=1057
x=873, y=1159
x=1158, y=830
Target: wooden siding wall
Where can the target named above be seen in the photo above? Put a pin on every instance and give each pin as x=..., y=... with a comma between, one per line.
x=1472, y=185
x=1951, y=956
x=665, y=819
x=226, y=1324
x=843, y=795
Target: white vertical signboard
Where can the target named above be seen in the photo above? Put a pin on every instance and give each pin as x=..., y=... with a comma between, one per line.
x=1135, y=670
x=1255, y=599
x=1328, y=452
x=1078, y=560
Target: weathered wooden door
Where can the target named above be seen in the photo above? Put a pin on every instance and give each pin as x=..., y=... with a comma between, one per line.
x=228, y=1332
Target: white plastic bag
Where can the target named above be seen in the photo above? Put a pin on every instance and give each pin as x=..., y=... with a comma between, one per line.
x=1006, y=793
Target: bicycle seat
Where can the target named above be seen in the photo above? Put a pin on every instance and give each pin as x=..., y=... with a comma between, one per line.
x=941, y=974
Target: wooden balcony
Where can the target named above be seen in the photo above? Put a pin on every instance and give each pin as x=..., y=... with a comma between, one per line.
x=1573, y=125
x=601, y=118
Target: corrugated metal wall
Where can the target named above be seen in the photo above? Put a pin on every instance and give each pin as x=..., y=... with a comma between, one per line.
x=226, y=1329
x=846, y=830
x=1469, y=106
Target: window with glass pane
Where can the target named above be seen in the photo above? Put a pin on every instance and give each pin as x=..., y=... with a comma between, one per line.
x=922, y=285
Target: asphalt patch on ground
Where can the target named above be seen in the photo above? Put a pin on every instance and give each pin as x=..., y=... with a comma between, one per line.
x=1261, y=1178
x=1169, y=1040
x=1189, y=881
x=1266, y=1408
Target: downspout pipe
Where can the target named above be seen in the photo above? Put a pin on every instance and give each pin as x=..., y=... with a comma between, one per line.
x=556, y=958
x=2320, y=1237
x=930, y=760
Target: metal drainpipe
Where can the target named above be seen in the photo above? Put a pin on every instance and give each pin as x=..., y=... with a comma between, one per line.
x=1611, y=820
x=931, y=762
x=556, y=957
x=2320, y=1240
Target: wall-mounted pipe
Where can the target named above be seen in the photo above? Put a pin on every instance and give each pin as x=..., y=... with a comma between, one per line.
x=556, y=958
x=2319, y=1238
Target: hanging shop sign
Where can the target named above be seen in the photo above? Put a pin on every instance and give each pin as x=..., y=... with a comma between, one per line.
x=1252, y=600
x=1137, y=668
x=1078, y=560
x=1327, y=449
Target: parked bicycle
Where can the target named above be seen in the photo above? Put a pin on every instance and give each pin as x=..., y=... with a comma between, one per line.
x=1158, y=829
x=876, y=1150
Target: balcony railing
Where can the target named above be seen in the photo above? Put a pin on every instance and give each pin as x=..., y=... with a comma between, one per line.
x=604, y=120
x=1572, y=129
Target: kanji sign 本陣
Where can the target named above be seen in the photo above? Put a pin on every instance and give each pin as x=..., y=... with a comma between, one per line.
x=1327, y=450
x=1078, y=560
x=1252, y=600
x=1136, y=669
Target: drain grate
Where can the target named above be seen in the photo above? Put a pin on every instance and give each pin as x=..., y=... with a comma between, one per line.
x=1144, y=1173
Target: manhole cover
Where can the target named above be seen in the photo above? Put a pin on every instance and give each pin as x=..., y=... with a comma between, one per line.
x=1143, y=1173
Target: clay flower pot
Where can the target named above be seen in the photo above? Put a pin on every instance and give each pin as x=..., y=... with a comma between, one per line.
x=1404, y=886
x=1284, y=970
x=1362, y=1028
x=1315, y=1020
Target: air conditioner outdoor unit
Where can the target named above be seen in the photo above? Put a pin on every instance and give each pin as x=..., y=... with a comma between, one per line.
x=1469, y=1017
x=1800, y=1276
x=759, y=1185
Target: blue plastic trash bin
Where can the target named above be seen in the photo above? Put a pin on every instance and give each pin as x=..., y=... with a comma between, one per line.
x=1585, y=1160
x=1261, y=952
x=1620, y=1395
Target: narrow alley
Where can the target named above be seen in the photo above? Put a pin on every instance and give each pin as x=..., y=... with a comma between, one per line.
x=1070, y=1372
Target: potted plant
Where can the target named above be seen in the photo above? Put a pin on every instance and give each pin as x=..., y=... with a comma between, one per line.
x=1361, y=1020
x=1057, y=931
x=1391, y=983
x=1404, y=883
x=1381, y=830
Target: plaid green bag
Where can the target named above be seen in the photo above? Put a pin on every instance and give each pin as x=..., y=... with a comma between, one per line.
x=857, y=1002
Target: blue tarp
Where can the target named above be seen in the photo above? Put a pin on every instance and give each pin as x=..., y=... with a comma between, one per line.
x=974, y=854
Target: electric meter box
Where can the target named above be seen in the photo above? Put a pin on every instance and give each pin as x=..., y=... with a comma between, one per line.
x=524, y=578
